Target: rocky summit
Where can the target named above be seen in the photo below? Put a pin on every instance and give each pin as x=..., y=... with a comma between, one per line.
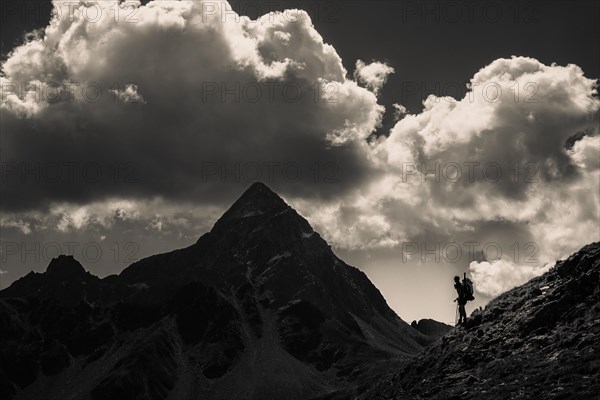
x=258, y=308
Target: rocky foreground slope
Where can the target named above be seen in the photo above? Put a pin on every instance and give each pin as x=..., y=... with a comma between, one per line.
x=537, y=341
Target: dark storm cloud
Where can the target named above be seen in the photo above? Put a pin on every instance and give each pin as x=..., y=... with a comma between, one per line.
x=191, y=106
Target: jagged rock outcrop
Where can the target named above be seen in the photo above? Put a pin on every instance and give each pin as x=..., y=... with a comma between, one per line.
x=431, y=327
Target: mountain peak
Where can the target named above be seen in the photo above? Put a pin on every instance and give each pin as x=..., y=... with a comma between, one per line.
x=259, y=187
x=259, y=190
x=65, y=266
x=257, y=200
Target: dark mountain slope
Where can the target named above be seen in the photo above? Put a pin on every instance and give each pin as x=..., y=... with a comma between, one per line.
x=258, y=308
x=537, y=341
x=262, y=242
x=65, y=279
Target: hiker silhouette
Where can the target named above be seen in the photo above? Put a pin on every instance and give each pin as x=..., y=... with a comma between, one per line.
x=461, y=300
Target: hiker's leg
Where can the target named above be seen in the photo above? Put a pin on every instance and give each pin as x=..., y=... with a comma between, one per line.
x=463, y=313
x=457, y=316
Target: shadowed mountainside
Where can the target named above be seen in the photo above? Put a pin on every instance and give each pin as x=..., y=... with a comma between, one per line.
x=536, y=341
x=259, y=307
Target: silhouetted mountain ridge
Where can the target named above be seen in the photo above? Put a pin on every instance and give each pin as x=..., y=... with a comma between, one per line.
x=431, y=327
x=259, y=307
x=65, y=267
x=256, y=203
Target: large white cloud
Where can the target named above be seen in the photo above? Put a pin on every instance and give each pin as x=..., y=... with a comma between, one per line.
x=494, y=278
x=186, y=83
x=439, y=179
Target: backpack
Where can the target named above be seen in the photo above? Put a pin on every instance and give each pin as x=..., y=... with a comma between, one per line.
x=468, y=288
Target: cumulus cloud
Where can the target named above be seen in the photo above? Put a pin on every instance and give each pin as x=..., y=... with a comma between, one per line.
x=128, y=95
x=184, y=220
x=585, y=153
x=399, y=111
x=373, y=75
x=494, y=278
x=490, y=168
x=192, y=98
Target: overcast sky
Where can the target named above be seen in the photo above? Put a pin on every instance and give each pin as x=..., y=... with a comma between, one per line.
x=421, y=139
